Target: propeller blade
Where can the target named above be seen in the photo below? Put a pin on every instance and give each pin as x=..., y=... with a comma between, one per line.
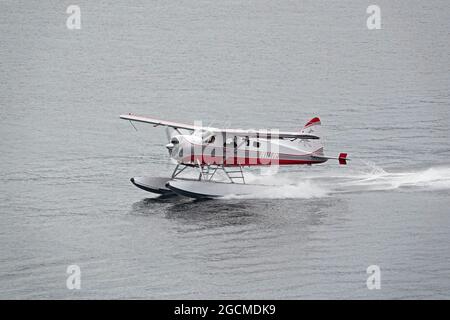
x=170, y=146
x=169, y=133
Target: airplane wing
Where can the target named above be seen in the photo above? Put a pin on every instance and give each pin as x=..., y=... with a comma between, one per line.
x=306, y=133
x=157, y=122
x=234, y=132
x=265, y=133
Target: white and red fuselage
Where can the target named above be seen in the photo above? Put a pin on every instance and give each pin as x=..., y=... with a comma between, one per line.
x=206, y=148
x=209, y=147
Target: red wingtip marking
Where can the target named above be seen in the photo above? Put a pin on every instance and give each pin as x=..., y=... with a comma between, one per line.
x=313, y=121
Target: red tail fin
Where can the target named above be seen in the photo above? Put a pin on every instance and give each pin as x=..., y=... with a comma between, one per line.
x=342, y=158
x=313, y=122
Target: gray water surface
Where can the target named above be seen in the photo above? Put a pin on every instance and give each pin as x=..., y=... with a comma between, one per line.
x=66, y=158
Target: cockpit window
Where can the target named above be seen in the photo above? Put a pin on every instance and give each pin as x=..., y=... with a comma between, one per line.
x=203, y=133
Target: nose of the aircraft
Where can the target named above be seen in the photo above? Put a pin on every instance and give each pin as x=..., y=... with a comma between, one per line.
x=169, y=146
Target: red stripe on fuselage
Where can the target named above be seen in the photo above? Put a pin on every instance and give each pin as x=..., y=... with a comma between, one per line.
x=241, y=161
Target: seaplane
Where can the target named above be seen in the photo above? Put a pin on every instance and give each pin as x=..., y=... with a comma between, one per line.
x=208, y=151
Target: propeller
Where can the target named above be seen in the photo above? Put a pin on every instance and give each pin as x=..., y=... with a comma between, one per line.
x=170, y=133
x=174, y=143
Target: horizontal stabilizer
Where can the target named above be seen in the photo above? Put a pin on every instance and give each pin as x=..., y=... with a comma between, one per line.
x=342, y=158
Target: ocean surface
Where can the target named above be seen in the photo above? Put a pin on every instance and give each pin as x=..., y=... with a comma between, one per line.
x=66, y=158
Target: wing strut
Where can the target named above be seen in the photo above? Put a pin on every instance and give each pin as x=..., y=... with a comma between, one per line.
x=133, y=125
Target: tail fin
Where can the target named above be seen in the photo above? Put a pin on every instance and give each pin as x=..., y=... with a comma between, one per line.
x=313, y=122
x=312, y=126
x=342, y=158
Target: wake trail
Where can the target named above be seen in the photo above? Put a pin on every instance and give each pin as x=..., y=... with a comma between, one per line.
x=307, y=185
x=435, y=178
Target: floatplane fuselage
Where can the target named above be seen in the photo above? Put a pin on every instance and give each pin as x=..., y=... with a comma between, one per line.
x=210, y=149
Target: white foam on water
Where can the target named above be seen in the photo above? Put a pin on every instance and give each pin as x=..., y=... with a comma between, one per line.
x=282, y=186
x=302, y=190
x=437, y=178
x=309, y=185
